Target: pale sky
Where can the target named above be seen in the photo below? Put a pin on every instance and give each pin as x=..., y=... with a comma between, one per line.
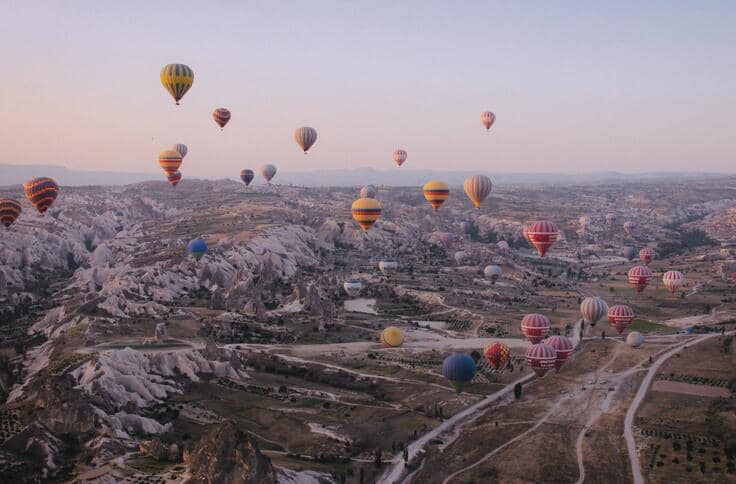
x=576, y=86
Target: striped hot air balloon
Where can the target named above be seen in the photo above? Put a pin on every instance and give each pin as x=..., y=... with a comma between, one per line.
x=535, y=327
x=399, y=156
x=247, y=176
x=221, y=117
x=477, y=188
x=392, y=337
x=459, y=369
x=673, y=280
x=174, y=178
x=366, y=211
x=9, y=211
x=563, y=348
x=541, y=358
x=305, y=137
x=646, y=255
x=487, y=119
x=497, y=354
x=620, y=316
x=181, y=148
x=170, y=161
x=268, y=172
x=611, y=219
x=639, y=277
x=177, y=79
x=542, y=234
x=436, y=192
x=368, y=191
x=629, y=227
x=503, y=245
x=593, y=310
x=41, y=192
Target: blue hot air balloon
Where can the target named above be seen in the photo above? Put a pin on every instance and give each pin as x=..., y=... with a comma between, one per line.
x=459, y=369
x=197, y=247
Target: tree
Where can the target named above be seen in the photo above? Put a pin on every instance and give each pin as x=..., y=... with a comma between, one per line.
x=517, y=391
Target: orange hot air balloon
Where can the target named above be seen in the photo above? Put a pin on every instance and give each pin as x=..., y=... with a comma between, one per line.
x=41, y=192
x=366, y=211
x=170, y=161
x=436, y=192
x=477, y=188
x=542, y=234
x=497, y=354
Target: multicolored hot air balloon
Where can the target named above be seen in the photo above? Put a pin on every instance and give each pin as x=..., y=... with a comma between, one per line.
x=611, y=219
x=399, y=156
x=629, y=253
x=9, y=211
x=392, y=337
x=639, y=277
x=562, y=346
x=268, y=171
x=387, y=266
x=673, y=280
x=629, y=227
x=492, y=273
x=436, y=192
x=542, y=234
x=503, y=245
x=41, y=192
x=460, y=256
x=446, y=239
x=497, y=354
x=197, y=247
x=487, y=119
x=593, y=310
x=305, y=137
x=620, y=316
x=170, y=161
x=459, y=369
x=366, y=211
x=368, y=191
x=177, y=79
x=352, y=287
x=477, y=188
x=535, y=327
x=174, y=178
x=221, y=117
x=646, y=255
x=541, y=358
x=247, y=176
x=181, y=148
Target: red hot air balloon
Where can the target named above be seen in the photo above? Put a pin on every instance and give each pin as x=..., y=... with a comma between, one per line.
x=399, y=156
x=673, y=280
x=9, y=211
x=497, y=354
x=541, y=357
x=563, y=347
x=221, y=117
x=542, y=234
x=41, y=192
x=646, y=255
x=174, y=178
x=535, y=327
x=620, y=317
x=639, y=277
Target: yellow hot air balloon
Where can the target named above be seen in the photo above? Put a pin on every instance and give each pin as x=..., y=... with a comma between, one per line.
x=392, y=337
x=366, y=211
x=170, y=161
x=177, y=79
x=477, y=187
x=436, y=192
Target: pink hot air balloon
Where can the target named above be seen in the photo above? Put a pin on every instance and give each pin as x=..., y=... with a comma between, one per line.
x=542, y=234
x=563, y=347
x=639, y=277
x=620, y=316
x=487, y=119
x=399, y=156
x=673, y=280
x=535, y=327
x=646, y=255
x=541, y=357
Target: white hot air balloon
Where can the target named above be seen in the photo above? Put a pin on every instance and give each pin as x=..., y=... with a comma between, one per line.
x=268, y=172
x=305, y=137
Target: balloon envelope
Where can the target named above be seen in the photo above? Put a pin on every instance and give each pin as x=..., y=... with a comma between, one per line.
x=477, y=188
x=366, y=211
x=197, y=247
x=9, y=211
x=392, y=337
x=177, y=79
x=268, y=171
x=305, y=137
x=459, y=369
x=247, y=176
x=41, y=192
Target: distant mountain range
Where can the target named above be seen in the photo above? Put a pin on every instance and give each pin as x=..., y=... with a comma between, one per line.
x=17, y=174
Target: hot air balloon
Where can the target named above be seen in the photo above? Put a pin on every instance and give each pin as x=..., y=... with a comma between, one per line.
x=584, y=222
x=477, y=188
x=487, y=119
x=634, y=339
x=611, y=219
x=492, y=273
x=466, y=226
x=562, y=346
x=170, y=161
x=41, y=192
x=639, y=277
x=542, y=234
x=247, y=176
x=392, y=337
x=174, y=178
x=646, y=255
x=497, y=354
x=387, y=266
x=305, y=137
x=535, y=327
x=620, y=316
x=593, y=310
x=436, y=192
x=503, y=245
x=460, y=256
x=268, y=171
x=399, y=156
x=368, y=191
x=177, y=79
x=673, y=280
x=197, y=247
x=221, y=117
x=629, y=253
x=629, y=227
x=446, y=239
x=541, y=358
x=352, y=287
x=366, y=211
x=181, y=148
x=459, y=369
x=9, y=211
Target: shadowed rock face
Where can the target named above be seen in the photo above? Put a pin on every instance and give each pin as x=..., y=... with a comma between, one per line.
x=227, y=455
